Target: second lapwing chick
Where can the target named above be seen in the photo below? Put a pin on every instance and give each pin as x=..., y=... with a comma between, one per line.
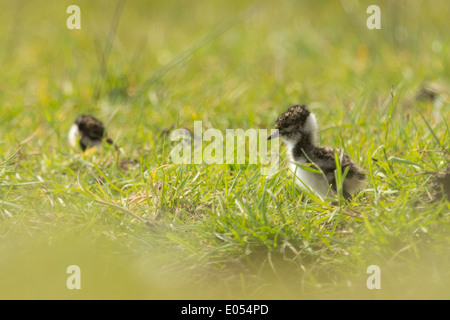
x=297, y=127
x=88, y=132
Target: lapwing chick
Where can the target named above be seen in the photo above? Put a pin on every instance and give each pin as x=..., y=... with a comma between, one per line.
x=440, y=184
x=88, y=132
x=297, y=127
x=431, y=92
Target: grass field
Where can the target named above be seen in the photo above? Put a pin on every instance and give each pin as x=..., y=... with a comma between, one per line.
x=142, y=227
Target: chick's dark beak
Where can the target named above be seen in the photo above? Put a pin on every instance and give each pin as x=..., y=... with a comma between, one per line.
x=274, y=135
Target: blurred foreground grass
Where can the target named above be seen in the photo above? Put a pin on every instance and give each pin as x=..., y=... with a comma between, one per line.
x=141, y=227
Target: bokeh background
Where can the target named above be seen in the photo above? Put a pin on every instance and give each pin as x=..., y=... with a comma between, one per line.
x=146, y=67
